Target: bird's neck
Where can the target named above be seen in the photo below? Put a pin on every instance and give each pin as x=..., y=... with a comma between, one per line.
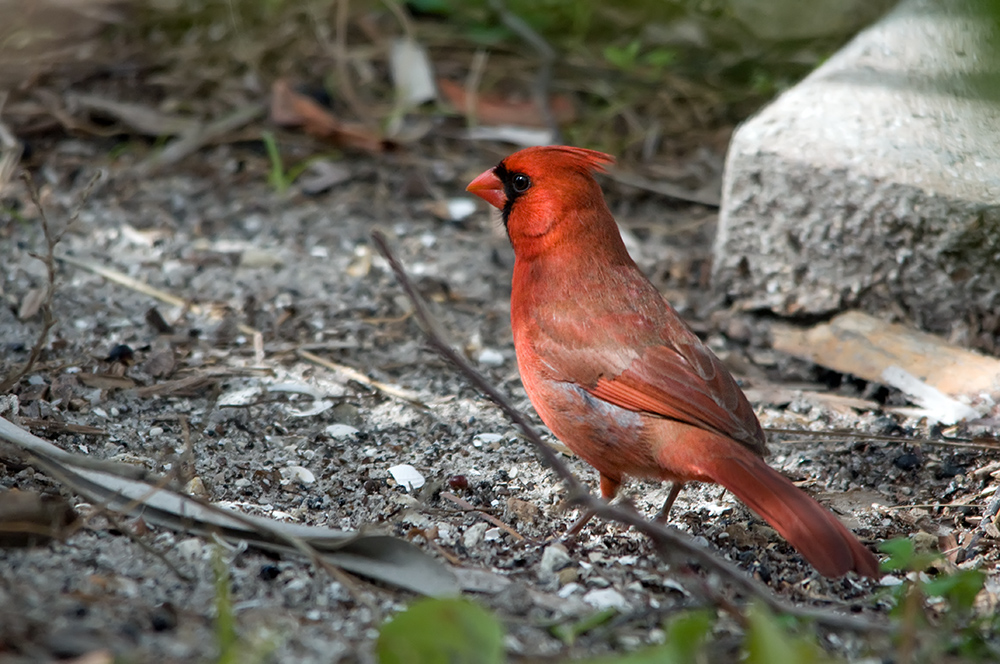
x=565, y=271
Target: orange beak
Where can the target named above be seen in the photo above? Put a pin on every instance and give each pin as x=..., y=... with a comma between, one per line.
x=489, y=188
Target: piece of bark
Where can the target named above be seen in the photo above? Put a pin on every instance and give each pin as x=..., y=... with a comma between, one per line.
x=864, y=346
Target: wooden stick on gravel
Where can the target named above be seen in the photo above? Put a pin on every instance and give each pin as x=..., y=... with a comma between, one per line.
x=676, y=547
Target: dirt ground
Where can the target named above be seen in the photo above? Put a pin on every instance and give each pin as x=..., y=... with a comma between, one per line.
x=300, y=269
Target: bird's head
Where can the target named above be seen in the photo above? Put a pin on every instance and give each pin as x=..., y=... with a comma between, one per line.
x=546, y=194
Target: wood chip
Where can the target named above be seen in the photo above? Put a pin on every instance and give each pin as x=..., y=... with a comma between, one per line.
x=864, y=346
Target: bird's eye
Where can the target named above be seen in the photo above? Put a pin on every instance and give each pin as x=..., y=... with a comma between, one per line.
x=521, y=182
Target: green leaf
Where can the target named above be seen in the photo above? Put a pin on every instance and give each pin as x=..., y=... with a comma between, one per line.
x=567, y=632
x=767, y=642
x=441, y=631
x=276, y=177
x=903, y=556
x=960, y=588
x=225, y=620
x=684, y=643
x=660, y=58
x=901, y=552
x=623, y=57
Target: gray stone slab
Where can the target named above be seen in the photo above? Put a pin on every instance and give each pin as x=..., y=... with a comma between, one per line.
x=875, y=182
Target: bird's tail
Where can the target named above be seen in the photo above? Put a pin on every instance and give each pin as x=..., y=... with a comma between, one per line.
x=808, y=526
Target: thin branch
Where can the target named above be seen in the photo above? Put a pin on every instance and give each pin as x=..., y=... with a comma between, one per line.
x=676, y=547
x=975, y=443
x=52, y=238
x=347, y=91
x=388, y=389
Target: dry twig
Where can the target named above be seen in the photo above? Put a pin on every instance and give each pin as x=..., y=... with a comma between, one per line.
x=52, y=238
x=394, y=391
x=675, y=547
x=974, y=443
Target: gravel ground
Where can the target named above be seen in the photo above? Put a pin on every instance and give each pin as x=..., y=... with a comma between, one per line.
x=299, y=268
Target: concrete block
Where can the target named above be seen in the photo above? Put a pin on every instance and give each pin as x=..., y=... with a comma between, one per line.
x=875, y=182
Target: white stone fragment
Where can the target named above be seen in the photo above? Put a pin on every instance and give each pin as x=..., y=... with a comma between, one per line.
x=474, y=535
x=341, y=431
x=481, y=439
x=490, y=357
x=606, y=598
x=243, y=396
x=298, y=474
x=408, y=476
x=460, y=208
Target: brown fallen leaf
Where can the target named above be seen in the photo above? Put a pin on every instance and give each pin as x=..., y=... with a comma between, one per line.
x=293, y=109
x=526, y=512
x=160, y=363
x=494, y=109
x=31, y=519
x=31, y=303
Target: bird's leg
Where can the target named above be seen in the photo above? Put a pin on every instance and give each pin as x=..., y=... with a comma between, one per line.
x=675, y=490
x=609, y=489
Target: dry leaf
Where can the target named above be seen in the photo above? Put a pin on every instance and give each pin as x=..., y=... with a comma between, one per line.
x=32, y=302
x=160, y=363
x=412, y=73
x=293, y=109
x=381, y=557
x=30, y=519
x=497, y=109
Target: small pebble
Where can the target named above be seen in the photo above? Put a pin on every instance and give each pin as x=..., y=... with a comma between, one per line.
x=341, y=431
x=458, y=482
x=474, y=535
x=906, y=461
x=554, y=558
x=298, y=474
x=490, y=357
x=569, y=589
x=606, y=598
x=196, y=487
x=481, y=439
x=407, y=476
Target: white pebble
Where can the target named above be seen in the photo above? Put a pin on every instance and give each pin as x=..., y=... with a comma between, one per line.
x=460, y=208
x=492, y=535
x=341, y=431
x=408, y=476
x=481, y=439
x=490, y=357
x=155, y=431
x=299, y=474
x=474, y=535
x=569, y=589
x=606, y=598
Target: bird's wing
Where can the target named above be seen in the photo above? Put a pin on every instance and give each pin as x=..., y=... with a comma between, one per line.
x=684, y=382
x=650, y=361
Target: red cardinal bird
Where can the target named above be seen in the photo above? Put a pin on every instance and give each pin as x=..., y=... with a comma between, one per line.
x=616, y=374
